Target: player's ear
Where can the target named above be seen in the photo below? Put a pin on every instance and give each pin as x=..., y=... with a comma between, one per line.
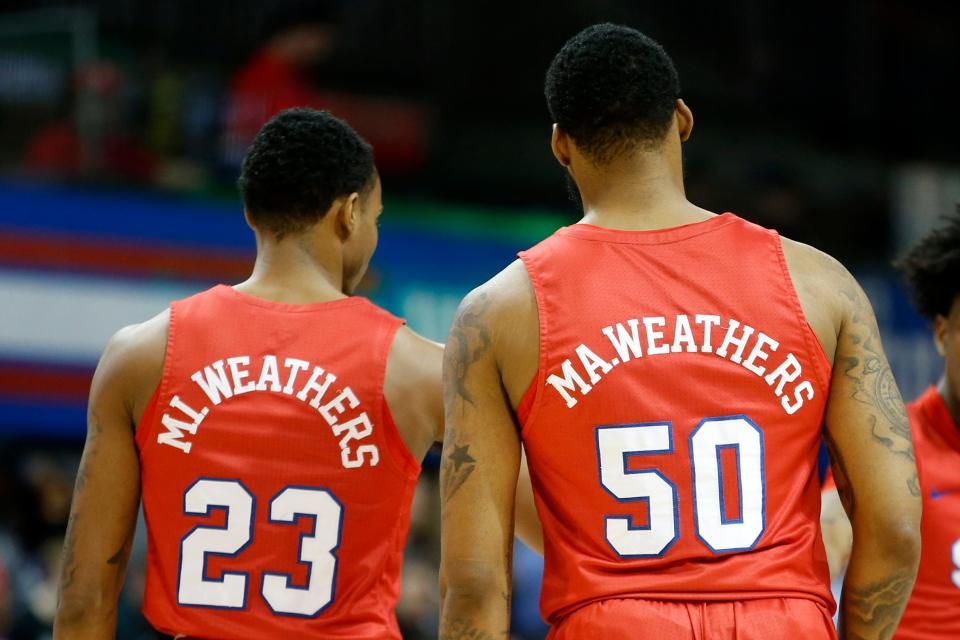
x=684, y=120
x=560, y=145
x=941, y=326
x=346, y=210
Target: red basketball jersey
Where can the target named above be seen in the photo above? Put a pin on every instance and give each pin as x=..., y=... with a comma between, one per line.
x=934, y=608
x=276, y=489
x=673, y=427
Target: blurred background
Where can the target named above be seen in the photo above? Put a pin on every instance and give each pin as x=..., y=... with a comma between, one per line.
x=123, y=122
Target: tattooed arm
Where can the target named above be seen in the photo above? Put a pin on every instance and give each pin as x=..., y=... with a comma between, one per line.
x=871, y=452
x=478, y=478
x=103, y=514
x=413, y=391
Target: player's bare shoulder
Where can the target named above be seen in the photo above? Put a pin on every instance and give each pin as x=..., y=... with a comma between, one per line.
x=132, y=361
x=824, y=287
x=412, y=389
x=501, y=316
x=141, y=344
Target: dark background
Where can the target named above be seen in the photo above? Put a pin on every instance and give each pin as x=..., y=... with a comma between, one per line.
x=834, y=122
x=777, y=88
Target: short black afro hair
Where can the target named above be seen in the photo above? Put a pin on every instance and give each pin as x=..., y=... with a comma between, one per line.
x=932, y=269
x=611, y=88
x=298, y=164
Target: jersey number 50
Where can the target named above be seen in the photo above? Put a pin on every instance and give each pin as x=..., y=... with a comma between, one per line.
x=317, y=550
x=617, y=443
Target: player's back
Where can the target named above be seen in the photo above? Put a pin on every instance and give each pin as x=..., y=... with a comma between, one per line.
x=276, y=488
x=673, y=427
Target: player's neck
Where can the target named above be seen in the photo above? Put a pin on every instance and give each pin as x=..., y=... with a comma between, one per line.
x=949, y=399
x=288, y=271
x=642, y=194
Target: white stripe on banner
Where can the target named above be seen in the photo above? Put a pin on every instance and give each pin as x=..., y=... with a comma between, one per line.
x=68, y=319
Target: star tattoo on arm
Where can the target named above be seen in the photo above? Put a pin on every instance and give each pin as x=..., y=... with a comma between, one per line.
x=457, y=467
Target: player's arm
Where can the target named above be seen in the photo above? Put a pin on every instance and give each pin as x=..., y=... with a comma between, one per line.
x=103, y=513
x=415, y=398
x=413, y=392
x=528, y=526
x=868, y=434
x=478, y=480
x=837, y=532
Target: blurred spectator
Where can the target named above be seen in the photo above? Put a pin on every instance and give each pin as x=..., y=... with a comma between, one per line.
x=93, y=139
x=36, y=494
x=419, y=598
x=279, y=75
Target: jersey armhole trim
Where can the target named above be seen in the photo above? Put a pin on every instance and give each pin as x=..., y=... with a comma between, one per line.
x=931, y=425
x=821, y=364
x=399, y=454
x=918, y=416
x=146, y=426
x=543, y=331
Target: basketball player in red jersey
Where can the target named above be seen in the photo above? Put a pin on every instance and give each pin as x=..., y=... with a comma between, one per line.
x=279, y=425
x=932, y=269
x=668, y=371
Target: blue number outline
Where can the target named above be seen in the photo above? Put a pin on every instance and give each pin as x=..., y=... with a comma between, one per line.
x=763, y=483
x=333, y=552
x=646, y=499
x=723, y=505
x=226, y=526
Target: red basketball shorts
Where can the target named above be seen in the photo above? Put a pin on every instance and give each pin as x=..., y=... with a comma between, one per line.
x=765, y=619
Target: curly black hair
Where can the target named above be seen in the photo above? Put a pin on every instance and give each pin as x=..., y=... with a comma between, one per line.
x=931, y=268
x=611, y=88
x=299, y=163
